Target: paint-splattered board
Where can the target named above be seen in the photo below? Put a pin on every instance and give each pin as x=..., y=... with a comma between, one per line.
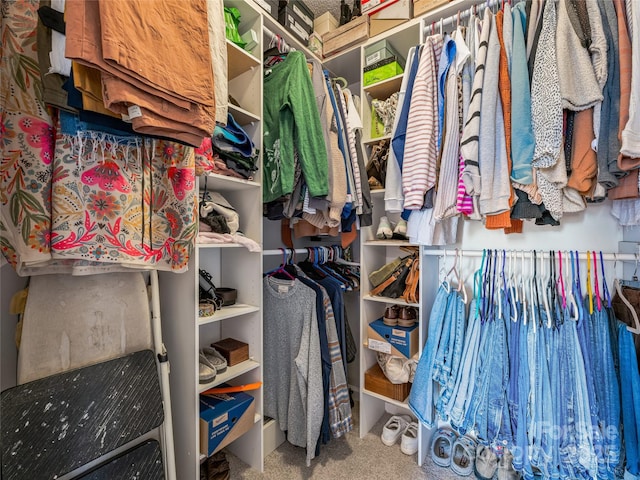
x=54, y=425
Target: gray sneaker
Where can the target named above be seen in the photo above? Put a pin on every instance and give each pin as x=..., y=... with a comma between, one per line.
x=215, y=358
x=206, y=372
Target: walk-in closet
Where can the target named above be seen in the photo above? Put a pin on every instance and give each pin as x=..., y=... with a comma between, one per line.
x=258, y=239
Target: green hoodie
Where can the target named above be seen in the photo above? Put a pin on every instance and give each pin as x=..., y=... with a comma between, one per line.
x=292, y=124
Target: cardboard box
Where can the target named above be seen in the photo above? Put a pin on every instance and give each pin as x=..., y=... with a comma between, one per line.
x=421, y=7
x=223, y=418
x=325, y=23
x=399, y=9
x=397, y=341
x=315, y=44
x=375, y=381
x=234, y=351
x=382, y=73
x=381, y=50
x=371, y=6
x=352, y=33
x=376, y=27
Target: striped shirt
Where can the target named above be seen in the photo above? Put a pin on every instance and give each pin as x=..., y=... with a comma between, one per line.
x=420, y=151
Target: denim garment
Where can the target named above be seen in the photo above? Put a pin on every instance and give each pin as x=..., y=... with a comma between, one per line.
x=442, y=345
x=467, y=372
x=514, y=368
x=232, y=138
x=422, y=393
x=630, y=381
x=607, y=390
x=542, y=421
x=521, y=450
x=456, y=315
x=70, y=124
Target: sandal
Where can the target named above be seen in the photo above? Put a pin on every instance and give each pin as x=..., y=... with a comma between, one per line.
x=206, y=372
x=215, y=358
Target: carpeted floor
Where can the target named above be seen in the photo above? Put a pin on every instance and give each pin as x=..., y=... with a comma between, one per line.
x=347, y=458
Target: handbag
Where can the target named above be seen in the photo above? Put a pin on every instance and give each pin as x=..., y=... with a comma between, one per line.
x=394, y=286
x=377, y=165
x=411, y=291
x=377, y=124
x=384, y=272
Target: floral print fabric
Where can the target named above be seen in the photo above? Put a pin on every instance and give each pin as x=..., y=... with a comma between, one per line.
x=88, y=202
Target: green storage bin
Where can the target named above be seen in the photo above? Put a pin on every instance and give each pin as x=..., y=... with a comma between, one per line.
x=382, y=73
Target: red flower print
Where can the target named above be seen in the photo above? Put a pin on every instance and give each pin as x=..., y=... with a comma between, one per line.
x=39, y=134
x=103, y=204
x=107, y=176
x=182, y=181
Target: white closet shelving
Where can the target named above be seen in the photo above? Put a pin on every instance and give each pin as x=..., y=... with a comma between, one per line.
x=231, y=265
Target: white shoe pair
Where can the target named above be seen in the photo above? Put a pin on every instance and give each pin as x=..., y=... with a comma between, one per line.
x=384, y=231
x=403, y=427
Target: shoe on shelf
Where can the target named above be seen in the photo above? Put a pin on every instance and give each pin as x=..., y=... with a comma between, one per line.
x=409, y=440
x=215, y=358
x=464, y=453
x=384, y=231
x=206, y=372
x=442, y=447
x=505, y=467
x=394, y=428
x=407, y=317
x=400, y=232
x=486, y=463
x=391, y=316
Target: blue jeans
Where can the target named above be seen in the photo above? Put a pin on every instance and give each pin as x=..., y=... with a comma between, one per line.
x=630, y=381
x=456, y=317
x=422, y=391
x=467, y=373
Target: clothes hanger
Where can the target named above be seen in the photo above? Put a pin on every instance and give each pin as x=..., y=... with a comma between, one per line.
x=605, y=287
x=618, y=288
x=523, y=287
x=574, y=308
x=597, y=285
x=513, y=287
x=280, y=270
x=477, y=284
x=454, y=270
x=533, y=290
x=545, y=297
x=589, y=289
x=461, y=288
x=442, y=275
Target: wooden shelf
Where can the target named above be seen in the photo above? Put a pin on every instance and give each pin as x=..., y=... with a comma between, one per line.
x=396, y=301
x=373, y=141
x=230, y=311
x=389, y=243
x=242, y=116
x=239, y=60
x=397, y=403
x=383, y=90
x=216, y=181
x=231, y=373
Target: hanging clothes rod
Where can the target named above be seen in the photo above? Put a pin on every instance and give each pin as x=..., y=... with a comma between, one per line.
x=462, y=14
x=609, y=257
x=286, y=250
x=280, y=42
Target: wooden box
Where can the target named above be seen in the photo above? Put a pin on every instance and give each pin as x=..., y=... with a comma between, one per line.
x=375, y=381
x=234, y=351
x=354, y=32
x=423, y=6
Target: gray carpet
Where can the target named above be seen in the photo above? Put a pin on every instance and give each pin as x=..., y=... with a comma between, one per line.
x=347, y=458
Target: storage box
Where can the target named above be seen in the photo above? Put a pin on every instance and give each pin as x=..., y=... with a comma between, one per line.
x=383, y=72
x=234, y=351
x=325, y=23
x=370, y=6
x=376, y=27
x=375, y=381
x=352, y=33
x=421, y=7
x=315, y=44
x=298, y=21
x=272, y=6
x=381, y=50
x=400, y=9
x=397, y=341
x=223, y=418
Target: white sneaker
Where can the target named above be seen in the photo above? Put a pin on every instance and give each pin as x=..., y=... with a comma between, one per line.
x=409, y=440
x=384, y=231
x=394, y=428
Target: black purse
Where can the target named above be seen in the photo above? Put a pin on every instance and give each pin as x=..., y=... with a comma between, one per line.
x=207, y=290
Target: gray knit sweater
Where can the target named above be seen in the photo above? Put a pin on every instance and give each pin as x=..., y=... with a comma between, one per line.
x=293, y=392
